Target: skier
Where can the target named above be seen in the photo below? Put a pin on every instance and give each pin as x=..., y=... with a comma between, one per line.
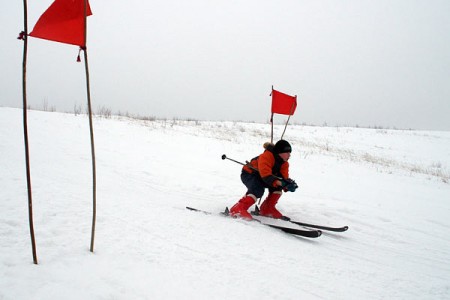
x=268, y=170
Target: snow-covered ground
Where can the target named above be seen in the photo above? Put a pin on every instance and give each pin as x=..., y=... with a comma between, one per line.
x=391, y=187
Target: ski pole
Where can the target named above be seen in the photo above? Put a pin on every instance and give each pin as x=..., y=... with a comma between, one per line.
x=238, y=162
x=248, y=165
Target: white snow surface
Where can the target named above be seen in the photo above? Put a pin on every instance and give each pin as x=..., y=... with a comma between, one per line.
x=391, y=187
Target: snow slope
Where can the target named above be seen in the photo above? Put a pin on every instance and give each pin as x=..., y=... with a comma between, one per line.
x=391, y=187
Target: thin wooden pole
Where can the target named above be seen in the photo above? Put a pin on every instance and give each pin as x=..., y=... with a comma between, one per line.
x=285, y=127
x=91, y=128
x=290, y=114
x=271, y=129
x=24, y=36
x=271, y=121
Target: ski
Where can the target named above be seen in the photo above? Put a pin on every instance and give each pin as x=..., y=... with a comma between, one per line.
x=310, y=233
x=321, y=227
x=327, y=228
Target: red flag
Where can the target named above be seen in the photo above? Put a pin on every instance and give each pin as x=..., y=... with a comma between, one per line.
x=63, y=22
x=283, y=103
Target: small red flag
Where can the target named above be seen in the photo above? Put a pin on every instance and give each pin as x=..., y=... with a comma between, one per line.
x=63, y=22
x=283, y=103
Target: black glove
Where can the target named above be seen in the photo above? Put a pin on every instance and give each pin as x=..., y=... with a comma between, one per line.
x=289, y=185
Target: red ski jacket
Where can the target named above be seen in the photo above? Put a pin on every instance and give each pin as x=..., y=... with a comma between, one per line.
x=269, y=166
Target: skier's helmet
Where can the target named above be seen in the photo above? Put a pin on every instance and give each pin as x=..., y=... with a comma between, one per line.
x=282, y=146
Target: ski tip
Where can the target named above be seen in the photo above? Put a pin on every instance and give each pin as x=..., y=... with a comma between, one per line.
x=345, y=228
x=319, y=233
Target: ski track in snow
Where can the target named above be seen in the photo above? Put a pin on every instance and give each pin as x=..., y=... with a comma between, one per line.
x=389, y=186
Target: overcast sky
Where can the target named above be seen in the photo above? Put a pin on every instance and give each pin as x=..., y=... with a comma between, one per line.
x=350, y=62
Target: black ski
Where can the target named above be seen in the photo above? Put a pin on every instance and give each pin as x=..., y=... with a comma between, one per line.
x=310, y=233
x=327, y=228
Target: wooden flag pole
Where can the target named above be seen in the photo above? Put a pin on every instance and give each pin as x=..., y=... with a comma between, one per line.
x=24, y=36
x=290, y=114
x=271, y=129
x=271, y=122
x=91, y=128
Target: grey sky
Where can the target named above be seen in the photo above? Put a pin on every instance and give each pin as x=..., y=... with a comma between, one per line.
x=351, y=62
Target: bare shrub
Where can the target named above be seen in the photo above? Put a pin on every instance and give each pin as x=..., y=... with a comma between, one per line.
x=104, y=112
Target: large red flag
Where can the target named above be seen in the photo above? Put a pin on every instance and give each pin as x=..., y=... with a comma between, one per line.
x=283, y=103
x=63, y=22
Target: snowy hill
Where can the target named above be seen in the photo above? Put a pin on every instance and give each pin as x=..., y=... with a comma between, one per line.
x=391, y=187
